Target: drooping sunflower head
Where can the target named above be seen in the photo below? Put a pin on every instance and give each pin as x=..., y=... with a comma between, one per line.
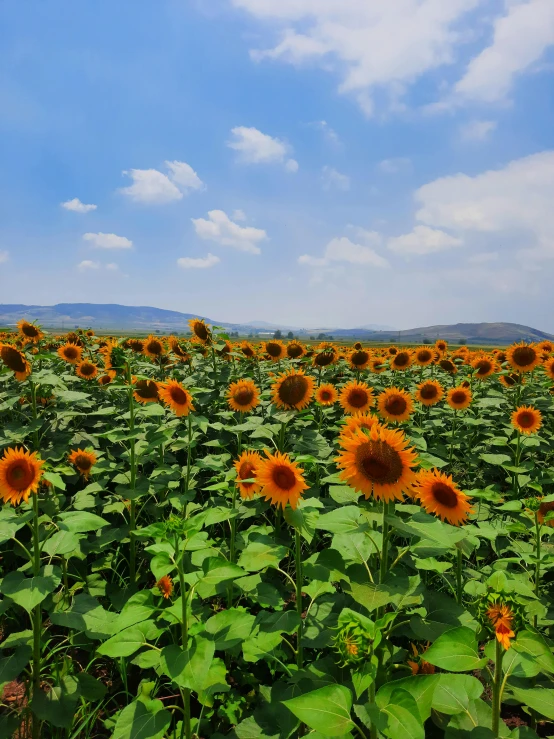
x=29, y=332
x=146, y=391
x=275, y=349
x=326, y=394
x=83, y=460
x=448, y=366
x=20, y=474
x=484, y=367
x=424, y=356
x=401, y=360
x=200, y=330
x=501, y=620
x=246, y=467
x=295, y=350
x=359, y=359
x=113, y=355
x=459, y=398
x=174, y=395
x=243, y=396
x=395, y=404
x=136, y=345
x=500, y=355
x=292, y=390
x=378, y=462
x=439, y=495
x=248, y=350
x=165, y=586
x=356, y=397
x=511, y=379
x=70, y=353
x=86, y=370
x=179, y=350
x=15, y=360
x=107, y=378
x=526, y=419
x=153, y=348
x=523, y=357
x=281, y=480
x=325, y=355
x=378, y=365
x=429, y=392
x=441, y=345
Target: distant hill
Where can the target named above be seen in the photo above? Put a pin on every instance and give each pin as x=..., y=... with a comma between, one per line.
x=114, y=317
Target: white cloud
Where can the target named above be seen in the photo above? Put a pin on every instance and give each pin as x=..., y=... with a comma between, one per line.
x=374, y=44
x=477, y=130
x=108, y=241
x=329, y=133
x=221, y=229
x=514, y=202
x=423, y=240
x=520, y=39
x=202, y=263
x=255, y=147
x=154, y=187
x=112, y=266
x=238, y=215
x=87, y=264
x=331, y=178
x=484, y=258
x=77, y=207
x=394, y=166
x=344, y=250
x=4, y=256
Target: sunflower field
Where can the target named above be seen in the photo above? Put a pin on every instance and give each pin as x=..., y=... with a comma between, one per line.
x=201, y=538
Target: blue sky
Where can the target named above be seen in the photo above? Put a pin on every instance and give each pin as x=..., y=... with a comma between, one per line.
x=310, y=162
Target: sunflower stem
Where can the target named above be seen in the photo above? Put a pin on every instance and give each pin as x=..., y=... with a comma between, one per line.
x=189, y=451
x=216, y=376
x=517, y=461
x=298, y=556
x=184, y=632
x=37, y=617
x=538, y=559
x=459, y=580
x=33, y=387
x=451, y=453
x=232, y=544
x=497, y=688
x=133, y=474
x=385, y=546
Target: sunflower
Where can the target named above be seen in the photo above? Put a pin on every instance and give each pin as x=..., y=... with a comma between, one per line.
x=545, y=347
x=526, y=419
x=325, y=355
x=548, y=367
x=246, y=467
x=86, y=370
x=441, y=346
x=173, y=394
x=418, y=665
x=275, y=349
x=511, y=380
x=501, y=618
x=106, y=379
x=356, y=397
x=448, y=366
x=377, y=463
x=165, y=586
x=146, y=391
x=153, y=348
x=424, y=356
x=293, y=389
x=359, y=421
x=392, y=350
x=295, y=350
x=429, y=392
x=200, y=330
x=544, y=509
x=178, y=350
x=135, y=345
x=401, y=360
x=439, y=494
x=484, y=367
x=83, y=460
x=20, y=473
x=395, y=404
x=378, y=365
x=29, y=331
x=248, y=350
x=326, y=394
x=500, y=355
x=70, y=353
x=281, y=480
x=523, y=357
x=15, y=360
x=243, y=396
x=459, y=398
x=359, y=359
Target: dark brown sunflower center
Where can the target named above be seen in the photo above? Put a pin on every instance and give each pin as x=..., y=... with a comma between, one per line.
x=247, y=351
x=87, y=368
x=71, y=352
x=323, y=359
x=444, y=495
x=274, y=350
x=325, y=395
x=247, y=471
x=20, y=475
x=12, y=359
x=244, y=396
x=459, y=397
x=293, y=389
x=178, y=395
x=154, y=347
x=146, y=389
x=393, y=350
x=428, y=392
x=29, y=330
x=447, y=365
x=483, y=367
x=358, y=398
x=284, y=477
x=509, y=380
x=525, y=419
x=83, y=462
x=501, y=356
x=396, y=405
x=136, y=346
x=379, y=462
x=294, y=351
x=201, y=330
x=402, y=359
x=524, y=356
x=105, y=380
x=424, y=355
x=359, y=358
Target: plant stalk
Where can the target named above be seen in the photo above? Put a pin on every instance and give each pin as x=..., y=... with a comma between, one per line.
x=298, y=553
x=497, y=689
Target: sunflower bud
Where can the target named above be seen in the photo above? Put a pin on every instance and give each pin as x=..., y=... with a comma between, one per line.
x=355, y=637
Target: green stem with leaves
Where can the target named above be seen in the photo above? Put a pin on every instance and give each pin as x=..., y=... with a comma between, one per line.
x=298, y=557
x=538, y=559
x=37, y=616
x=497, y=688
x=459, y=579
x=184, y=632
x=133, y=480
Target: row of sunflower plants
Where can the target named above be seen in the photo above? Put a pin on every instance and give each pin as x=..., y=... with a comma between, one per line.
x=202, y=538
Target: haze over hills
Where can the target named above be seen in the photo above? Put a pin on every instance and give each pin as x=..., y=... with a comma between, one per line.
x=114, y=317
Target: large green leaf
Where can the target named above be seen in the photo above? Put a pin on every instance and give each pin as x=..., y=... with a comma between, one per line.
x=262, y=553
x=403, y=719
x=539, y=699
x=533, y=649
x=126, y=642
x=229, y=628
x=188, y=668
x=86, y=615
x=80, y=522
x=454, y=692
x=11, y=667
x=326, y=710
x=456, y=650
x=28, y=592
x=136, y=721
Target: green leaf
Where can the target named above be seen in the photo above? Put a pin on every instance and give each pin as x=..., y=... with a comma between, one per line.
x=533, y=648
x=403, y=717
x=421, y=687
x=136, y=721
x=188, y=668
x=54, y=479
x=127, y=642
x=341, y=520
x=57, y=707
x=538, y=699
x=28, y=592
x=326, y=710
x=11, y=667
x=497, y=459
x=230, y=627
x=453, y=693
x=81, y=521
x=262, y=553
x=60, y=543
x=456, y=650
x=86, y=615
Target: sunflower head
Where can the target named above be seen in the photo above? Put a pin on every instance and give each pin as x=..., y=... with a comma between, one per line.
x=275, y=349
x=545, y=347
x=179, y=350
x=153, y=348
x=113, y=355
x=459, y=398
x=281, y=480
x=248, y=350
x=29, y=332
x=136, y=345
x=500, y=620
x=356, y=397
x=429, y=392
x=359, y=359
x=326, y=394
x=526, y=419
x=20, y=474
x=246, y=467
x=439, y=495
x=359, y=421
x=295, y=350
x=424, y=356
x=146, y=391
x=174, y=395
x=441, y=346
x=83, y=460
x=107, y=378
x=325, y=355
x=352, y=641
x=484, y=367
x=448, y=366
x=86, y=370
x=401, y=360
x=243, y=396
x=395, y=404
x=165, y=586
x=392, y=350
x=511, y=379
x=15, y=360
x=418, y=665
x=200, y=330
x=548, y=367
x=293, y=390
x=523, y=357
x=546, y=508
x=378, y=365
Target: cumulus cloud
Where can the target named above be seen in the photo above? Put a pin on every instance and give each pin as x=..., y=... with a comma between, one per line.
x=220, y=228
x=4, y=256
x=332, y=179
x=514, y=201
x=77, y=207
x=255, y=147
x=520, y=39
x=423, y=240
x=477, y=130
x=344, y=250
x=87, y=264
x=154, y=187
x=108, y=241
x=202, y=263
x=239, y=215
